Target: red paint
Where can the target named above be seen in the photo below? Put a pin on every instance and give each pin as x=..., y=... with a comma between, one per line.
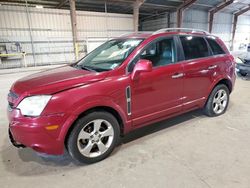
x=155, y=95
x=141, y=66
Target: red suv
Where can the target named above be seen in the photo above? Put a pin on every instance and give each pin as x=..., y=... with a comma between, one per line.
x=124, y=84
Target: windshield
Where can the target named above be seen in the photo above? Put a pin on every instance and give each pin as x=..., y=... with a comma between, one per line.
x=109, y=55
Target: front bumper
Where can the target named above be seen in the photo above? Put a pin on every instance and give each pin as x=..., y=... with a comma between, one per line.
x=32, y=132
x=14, y=142
x=242, y=68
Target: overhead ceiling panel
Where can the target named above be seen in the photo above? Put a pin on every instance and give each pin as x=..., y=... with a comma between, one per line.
x=149, y=7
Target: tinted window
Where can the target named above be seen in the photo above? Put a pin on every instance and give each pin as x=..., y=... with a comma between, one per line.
x=160, y=53
x=216, y=49
x=194, y=47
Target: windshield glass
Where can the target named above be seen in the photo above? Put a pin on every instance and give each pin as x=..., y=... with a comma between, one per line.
x=109, y=55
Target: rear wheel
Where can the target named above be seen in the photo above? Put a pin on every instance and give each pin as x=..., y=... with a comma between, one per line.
x=218, y=101
x=94, y=137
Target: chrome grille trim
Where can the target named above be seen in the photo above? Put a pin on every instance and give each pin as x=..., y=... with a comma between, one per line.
x=12, y=95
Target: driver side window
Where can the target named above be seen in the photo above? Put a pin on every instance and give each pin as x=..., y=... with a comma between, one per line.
x=160, y=53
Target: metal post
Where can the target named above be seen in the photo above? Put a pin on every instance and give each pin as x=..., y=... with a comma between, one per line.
x=217, y=9
x=181, y=8
x=169, y=20
x=24, y=59
x=72, y=4
x=136, y=7
x=179, y=17
x=30, y=32
x=136, y=15
x=106, y=16
x=210, y=21
x=235, y=21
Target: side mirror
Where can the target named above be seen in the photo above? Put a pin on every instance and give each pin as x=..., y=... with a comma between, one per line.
x=142, y=65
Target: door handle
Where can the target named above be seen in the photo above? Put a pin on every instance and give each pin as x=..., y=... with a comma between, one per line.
x=177, y=75
x=212, y=67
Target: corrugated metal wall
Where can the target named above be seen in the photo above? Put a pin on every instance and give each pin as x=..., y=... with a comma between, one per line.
x=192, y=19
x=155, y=24
x=222, y=27
x=195, y=19
x=198, y=19
x=51, y=32
x=242, y=36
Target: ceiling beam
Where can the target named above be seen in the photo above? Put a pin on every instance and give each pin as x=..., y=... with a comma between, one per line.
x=62, y=3
x=235, y=21
x=181, y=8
x=242, y=11
x=215, y=10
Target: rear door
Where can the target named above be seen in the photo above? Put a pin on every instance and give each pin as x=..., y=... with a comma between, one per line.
x=198, y=70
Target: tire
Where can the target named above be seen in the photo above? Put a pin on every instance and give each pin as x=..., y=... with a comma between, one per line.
x=244, y=74
x=218, y=97
x=93, y=137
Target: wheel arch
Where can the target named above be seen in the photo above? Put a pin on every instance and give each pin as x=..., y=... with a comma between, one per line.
x=226, y=82
x=108, y=109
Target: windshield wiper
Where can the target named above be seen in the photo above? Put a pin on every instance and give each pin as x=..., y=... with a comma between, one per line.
x=88, y=68
x=85, y=68
x=92, y=69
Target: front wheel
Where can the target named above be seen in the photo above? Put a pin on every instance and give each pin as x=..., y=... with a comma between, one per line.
x=94, y=137
x=218, y=101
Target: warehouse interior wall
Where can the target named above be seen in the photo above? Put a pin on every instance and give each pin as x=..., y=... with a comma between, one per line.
x=198, y=19
x=50, y=33
x=242, y=35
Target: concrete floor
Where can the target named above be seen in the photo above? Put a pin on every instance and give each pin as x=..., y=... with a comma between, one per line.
x=191, y=150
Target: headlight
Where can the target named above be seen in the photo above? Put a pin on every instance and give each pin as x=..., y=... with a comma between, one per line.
x=34, y=105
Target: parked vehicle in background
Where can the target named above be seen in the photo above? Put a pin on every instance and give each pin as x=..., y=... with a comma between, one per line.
x=243, y=66
x=126, y=83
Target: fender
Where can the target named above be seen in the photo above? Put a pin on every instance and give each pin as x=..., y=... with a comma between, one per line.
x=216, y=81
x=97, y=101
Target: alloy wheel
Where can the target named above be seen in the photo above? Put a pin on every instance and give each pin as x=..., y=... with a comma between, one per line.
x=95, y=138
x=220, y=101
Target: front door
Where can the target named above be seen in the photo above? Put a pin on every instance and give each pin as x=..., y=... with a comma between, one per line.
x=158, y=93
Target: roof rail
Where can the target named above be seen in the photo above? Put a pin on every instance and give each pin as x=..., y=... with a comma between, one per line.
x=132, y=33
x=181, y=29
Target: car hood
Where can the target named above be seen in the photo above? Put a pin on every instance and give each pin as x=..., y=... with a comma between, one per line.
x=55, y=80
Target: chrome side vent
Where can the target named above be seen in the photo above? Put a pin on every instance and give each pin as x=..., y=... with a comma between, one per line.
x=128, y=100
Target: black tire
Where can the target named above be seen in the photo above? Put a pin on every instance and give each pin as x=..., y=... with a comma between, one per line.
x=208, y=108
x=72, y=141
x=244, y=74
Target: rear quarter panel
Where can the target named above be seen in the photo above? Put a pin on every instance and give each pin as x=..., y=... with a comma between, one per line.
x=225, y=70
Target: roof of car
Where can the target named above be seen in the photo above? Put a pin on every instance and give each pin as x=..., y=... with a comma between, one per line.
x=169, y=31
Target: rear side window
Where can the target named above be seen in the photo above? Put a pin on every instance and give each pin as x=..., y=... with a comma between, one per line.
x=216, y=49
x=194, y=47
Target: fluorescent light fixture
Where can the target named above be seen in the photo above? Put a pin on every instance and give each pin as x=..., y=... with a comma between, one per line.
x=39, y=6
x=235, y=1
